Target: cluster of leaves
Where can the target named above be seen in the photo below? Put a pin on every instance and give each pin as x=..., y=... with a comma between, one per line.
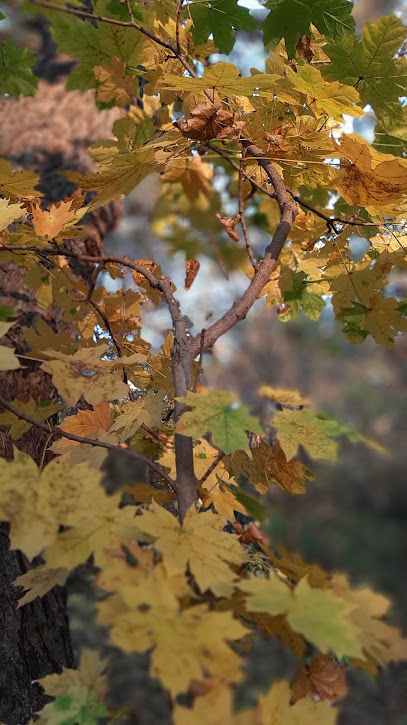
x=184, y=591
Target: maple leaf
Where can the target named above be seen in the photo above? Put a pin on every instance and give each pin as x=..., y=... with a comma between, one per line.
x=84, y=373
x=92, y=45
x=291, y=398
x=373, y=180
x=304, y=427
x=84, y=423
x=115, y=84
x=50, y=223
x=219, y=17
x=379, y=641
x=302, y=296
x=318, y=614
x=224, y=77
x=37, y=582
x=333, y=99
x=291, y=19
x=325, y=679
x=8, y=360
x=392, y=247
x=384, y=320
x=218, y=412
x=146, y=614
x=17, y=184
x=16, y=75
x=9, y=213
x=209, y=121
x=200, y=543
x=121, y=170
x=276, y=708
x=193, y=174
x=77, y=693
x=270, y=465
x=39, y=411
x=370, y=66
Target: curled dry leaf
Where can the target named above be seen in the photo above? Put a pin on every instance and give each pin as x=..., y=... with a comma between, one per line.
x=325, y=679
x=229, y=224
x=209, y=121
x=275, y=139
x=192, y=270
x=251, y=534
x=305, y=47
x=147, y=264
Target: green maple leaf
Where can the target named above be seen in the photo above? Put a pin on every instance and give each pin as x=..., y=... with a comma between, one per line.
x=94, y=46
x=290, y=19
x=319, y=615
x=219, y=17
x=218, y=412
x=369, y=65
x=16, y=76
x=302, y=297
x=287, y=19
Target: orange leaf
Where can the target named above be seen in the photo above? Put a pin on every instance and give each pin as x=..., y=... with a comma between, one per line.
x=229, y=224
x=95, y=421
x=191, y=272
x=324, y=680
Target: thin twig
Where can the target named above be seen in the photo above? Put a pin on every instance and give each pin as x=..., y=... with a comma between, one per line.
x=241, y=212
x=211, y=468
x=199, y=369
x=178, y=25
x=89, y=441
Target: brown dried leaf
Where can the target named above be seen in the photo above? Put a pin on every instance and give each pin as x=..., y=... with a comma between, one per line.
x=229, y=224
x=305, y=47
x=324, y=680
x=191, y=272
x=149, y=266
x=208, y=121
x=275, y=139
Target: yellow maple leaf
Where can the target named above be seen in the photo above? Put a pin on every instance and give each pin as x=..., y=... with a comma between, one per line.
x=200, y=543
x=369, y=178
x=284, y=397
x=9, y=213
x=275, y=709
x=84, y=373
x=392, y=247
x=146, y=614
x=37, y=582
x=333, y=99
x=194, y=175
x=15, y=185
x=115, y=84
x=379, y=640
x=384, y=320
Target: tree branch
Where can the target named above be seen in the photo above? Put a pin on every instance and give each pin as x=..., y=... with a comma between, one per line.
x=241, y=307
x=89, y=441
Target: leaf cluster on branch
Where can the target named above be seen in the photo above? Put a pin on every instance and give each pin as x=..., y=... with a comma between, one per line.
x=263, y=157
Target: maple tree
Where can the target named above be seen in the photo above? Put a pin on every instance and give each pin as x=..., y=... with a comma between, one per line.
x=185, y=571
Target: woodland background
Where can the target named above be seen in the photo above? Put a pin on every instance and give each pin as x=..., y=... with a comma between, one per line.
x=353, y=517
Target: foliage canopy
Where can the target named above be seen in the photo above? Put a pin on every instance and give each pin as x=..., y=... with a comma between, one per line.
x=270, y=146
